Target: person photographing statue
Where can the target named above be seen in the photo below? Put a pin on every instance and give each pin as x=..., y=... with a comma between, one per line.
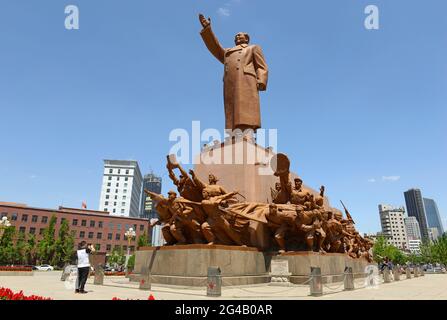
x=83, y=254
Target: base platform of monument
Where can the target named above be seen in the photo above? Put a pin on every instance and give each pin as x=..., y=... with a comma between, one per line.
x=187, y=265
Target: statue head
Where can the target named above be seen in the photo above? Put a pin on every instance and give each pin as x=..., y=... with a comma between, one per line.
x=212, y=179
x=338, y=215
x=172, y=195
x=298, y=183
x=205, y=195
x=241, y=38
x=278, y=186
x=273, y=208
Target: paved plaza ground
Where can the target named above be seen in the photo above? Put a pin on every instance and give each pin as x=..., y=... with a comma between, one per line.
x=48, y=284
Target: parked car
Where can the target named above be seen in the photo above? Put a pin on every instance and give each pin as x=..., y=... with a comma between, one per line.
x=44, y=267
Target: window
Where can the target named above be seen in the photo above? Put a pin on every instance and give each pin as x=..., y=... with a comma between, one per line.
x=34, y=219
x=22, y=230
x=108, y=247
x=106, y=203
x=118, y=179
x=134, y=227
x=114, y=204
x=24, y=218
x=124, y=248
x=14, y=217
x=110, y=178
x=92, y=223
x=119, y=171
x=90, y=235
x=107, y=196
x=118, y=226
x=117, y=185
x=82, y=234
x=117, y=236
x=132, y=248
x=127, y=171
x=108, y=190
x=116, y=197
x=109, y=184
x=110, y=170
x=123, y=204
x=111, y=225
x=99, y=235
x=116, y=190
x=41, y=230
x=127, y=227
x=97, y=247
x=84, y=223
x=4, y=214
x=127, y=179
x=109, y=236
x=123, y=211
x=32, y=230
x=125, y=185
x=114, y=210
x=141, y=227
x=74, y=222
x=125, y=191
x=124, y=197
x=100, y=224
x=62, y=220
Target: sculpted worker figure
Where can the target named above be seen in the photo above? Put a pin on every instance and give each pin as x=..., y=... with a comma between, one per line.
x=245, y=74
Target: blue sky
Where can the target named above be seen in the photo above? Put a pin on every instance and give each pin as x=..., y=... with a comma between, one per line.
x=350, y=105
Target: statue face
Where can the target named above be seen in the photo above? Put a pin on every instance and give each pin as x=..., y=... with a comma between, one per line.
x=172, y=196
x=278, y=186
x=298, y=184
x=241, y=38
x=338, y=216
x=205, y=195
x=212, y=179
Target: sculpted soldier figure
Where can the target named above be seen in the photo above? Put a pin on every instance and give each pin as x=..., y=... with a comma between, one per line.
x=212, y=188
x=179, y=225
x=185, y=185
x=245, y=73
x=311, y=223
x=217, y=228
x=297, y=195
x=280, y=222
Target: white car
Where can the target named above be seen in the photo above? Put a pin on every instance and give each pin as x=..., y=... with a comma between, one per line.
x=44, y=267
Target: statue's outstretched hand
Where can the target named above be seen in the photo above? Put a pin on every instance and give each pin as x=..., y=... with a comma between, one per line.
x=205, y=23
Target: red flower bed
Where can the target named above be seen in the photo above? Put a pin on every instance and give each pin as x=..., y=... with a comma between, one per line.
x=151, y=297
x=3, y=268
x=8, y=294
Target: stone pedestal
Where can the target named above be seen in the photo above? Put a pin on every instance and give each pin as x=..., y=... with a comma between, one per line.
x=188, y=265
x=280, y=272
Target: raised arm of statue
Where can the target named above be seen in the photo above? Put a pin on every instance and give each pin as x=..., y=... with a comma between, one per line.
x=155, y=196
x=261, y=68
x=199, y=184
x=210, y=39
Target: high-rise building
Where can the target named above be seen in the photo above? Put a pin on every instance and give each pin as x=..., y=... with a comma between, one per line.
x=151, y=182
x=393, y=226
x=434, y=234
x=121, y=188
x=414, y=246
x=415, y=208
x=433, y=217
x=412, y=227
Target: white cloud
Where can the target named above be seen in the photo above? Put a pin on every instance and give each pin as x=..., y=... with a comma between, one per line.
x=33, y=176
x=372, y=180
x=391, y=178
x=224, y=12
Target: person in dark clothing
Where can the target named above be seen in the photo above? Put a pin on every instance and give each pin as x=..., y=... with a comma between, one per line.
x=83, y=253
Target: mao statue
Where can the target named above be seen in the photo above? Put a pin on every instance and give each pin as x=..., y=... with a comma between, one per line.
x=245, y=74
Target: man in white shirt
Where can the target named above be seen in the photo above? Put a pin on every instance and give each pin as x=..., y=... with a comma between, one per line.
x=83, y=265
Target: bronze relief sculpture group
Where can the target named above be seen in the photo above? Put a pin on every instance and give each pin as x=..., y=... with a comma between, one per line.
x=296, y=220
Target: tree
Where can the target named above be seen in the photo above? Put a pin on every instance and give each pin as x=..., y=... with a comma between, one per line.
x=382, y=249
x=117, y=257
x=47, y=246
x=143, y=240
x=7, y=246
x=64, y=245
x=31, y=249
x=20, y=250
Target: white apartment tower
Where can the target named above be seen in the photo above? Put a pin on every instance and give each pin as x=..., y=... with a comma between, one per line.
x=121, y=188
x=393, y=225
x=412, y=227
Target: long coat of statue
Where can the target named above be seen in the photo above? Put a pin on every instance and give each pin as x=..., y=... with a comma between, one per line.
x=246, y=73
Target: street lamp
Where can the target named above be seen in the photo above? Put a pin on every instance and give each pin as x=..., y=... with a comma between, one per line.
x=4, y=223
x=129, y=234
